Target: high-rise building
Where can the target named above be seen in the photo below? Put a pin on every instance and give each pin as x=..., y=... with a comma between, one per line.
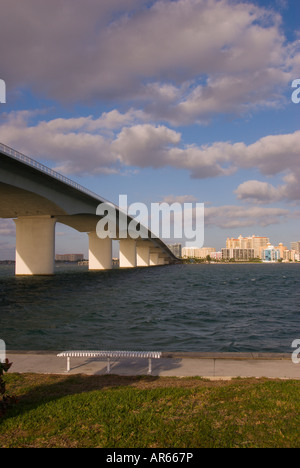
x=290, y=256
x=282, y=249
x=237, y=254
x=295, y=246
x=271, y=254
x=258, y=244
x=176, y=249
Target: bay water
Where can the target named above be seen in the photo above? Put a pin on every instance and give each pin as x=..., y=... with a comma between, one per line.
x=199, y=307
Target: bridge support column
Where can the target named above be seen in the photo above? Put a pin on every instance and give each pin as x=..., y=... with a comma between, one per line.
x=162, y=261
x=143, y=254
x=128, y=253
x=35, y=245
x=154, y=258
x=100, y=252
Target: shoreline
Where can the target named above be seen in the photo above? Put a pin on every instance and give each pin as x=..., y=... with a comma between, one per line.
x=182, y=262
x=211, y=366
x=241, y=263
x=184, y=354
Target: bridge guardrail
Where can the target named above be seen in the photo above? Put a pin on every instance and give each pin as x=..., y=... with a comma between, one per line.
x=46, y=170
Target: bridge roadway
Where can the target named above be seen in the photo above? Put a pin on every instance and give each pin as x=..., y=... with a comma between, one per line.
x=37, y=197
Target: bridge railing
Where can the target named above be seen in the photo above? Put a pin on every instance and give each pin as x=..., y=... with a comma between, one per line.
x=46, y=170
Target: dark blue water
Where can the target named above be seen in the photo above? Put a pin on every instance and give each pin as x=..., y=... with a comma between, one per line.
x=217, y=308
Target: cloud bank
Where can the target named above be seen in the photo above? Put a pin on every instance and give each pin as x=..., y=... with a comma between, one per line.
x=180, y=61
x=168, y=64
x=94, y=146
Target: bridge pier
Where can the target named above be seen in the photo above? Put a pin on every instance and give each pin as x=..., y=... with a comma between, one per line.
x=163, y=260
x=143, y=254
x=35, y=245
x=128, y=253
x=100, y=252
x=154, y=258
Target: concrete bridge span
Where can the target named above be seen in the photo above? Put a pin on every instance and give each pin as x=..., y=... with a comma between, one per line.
x=37, y=197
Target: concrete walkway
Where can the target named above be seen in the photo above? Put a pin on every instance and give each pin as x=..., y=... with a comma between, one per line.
x=208, y=365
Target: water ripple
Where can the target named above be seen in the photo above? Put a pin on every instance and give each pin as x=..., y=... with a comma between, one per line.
x=215, y=308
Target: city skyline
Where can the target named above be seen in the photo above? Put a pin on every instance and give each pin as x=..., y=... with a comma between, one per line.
x=253, y=243
x=164, y=101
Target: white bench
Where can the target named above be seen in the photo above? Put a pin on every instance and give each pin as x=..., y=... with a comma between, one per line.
x=111, y=355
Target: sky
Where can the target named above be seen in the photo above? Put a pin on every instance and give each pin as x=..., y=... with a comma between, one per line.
x=161, y=100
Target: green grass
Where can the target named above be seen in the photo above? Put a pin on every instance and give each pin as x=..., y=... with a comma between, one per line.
x=141, y=412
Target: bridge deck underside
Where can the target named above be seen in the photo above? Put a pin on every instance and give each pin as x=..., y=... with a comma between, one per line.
x=16, y=202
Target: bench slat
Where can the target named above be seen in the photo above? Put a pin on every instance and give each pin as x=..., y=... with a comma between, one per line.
x=111, y=355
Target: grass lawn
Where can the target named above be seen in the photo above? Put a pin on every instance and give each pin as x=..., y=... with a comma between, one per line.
x=150, y=412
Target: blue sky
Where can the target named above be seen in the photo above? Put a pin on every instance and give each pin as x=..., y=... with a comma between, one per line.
x=160, y=100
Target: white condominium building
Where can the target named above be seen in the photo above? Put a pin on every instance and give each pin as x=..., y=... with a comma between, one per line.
x=196, y=252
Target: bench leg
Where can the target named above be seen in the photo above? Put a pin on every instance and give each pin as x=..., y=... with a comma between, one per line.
x=150, y=366
x=108, y=366
x=68, y=364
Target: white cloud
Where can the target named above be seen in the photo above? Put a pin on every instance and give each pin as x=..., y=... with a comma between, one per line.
x=273, y=154
x=7, y=227
x=88, y=145
x=182, y=61
x=259, y=192
x=145, y=145
x=69, y=143
x=82, y=145
x=231, y=216
x=263, y=192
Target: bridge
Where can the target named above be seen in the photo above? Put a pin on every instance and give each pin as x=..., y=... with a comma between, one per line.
x=37, y=197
